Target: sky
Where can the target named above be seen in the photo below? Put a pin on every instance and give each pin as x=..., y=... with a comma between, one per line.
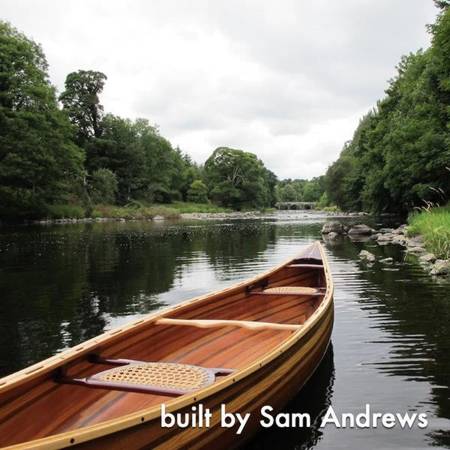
x=285, y=79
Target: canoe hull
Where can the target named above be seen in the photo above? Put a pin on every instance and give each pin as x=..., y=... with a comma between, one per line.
x=274, y=384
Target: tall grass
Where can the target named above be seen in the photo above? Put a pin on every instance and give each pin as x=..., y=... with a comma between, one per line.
x=434, y=225
x=134, y=212
x=186, y=207
x=65, y=212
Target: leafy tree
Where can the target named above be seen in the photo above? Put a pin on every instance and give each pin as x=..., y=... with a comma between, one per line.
x=238, y=179
x=399, y=156
x=82, y=104
x=119, y=150
x=39, y=162
x=288, y=193
x=442, y=4
x=300, y=190
x=103, y=186
x=198, y=192
x=313, y=189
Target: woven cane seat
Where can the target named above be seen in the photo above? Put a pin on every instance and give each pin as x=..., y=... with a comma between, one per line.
x=160, y=376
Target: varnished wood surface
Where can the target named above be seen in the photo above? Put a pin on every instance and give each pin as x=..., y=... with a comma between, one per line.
x=37, y=407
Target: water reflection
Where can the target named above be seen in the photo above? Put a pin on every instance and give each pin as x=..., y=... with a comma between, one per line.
x=314, y=400
x=61, y=285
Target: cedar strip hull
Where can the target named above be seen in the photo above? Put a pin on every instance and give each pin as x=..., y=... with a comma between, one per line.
x=271, y=366
x=274, y=385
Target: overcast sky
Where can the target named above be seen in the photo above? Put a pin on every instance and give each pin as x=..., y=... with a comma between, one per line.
x=287, y=80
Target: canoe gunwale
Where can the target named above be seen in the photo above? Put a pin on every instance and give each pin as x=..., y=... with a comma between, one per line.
x=91, y=432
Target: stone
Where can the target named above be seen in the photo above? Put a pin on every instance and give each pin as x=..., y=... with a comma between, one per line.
x=158, y=218
x=388, y=260
x=385, y=237
x=332, y=235
x=361, y=230
x=399, y=239
x=428, y=258
x=386, y=230
x=367, y=256
x=416, y=241
x=332, y=227
x=416, y=250
x=441, y=267
x=360, y=237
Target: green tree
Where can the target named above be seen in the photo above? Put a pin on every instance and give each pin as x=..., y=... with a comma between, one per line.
x=103, y=186
x=82, y=104
x=238, y=179
x=198, y=192
x=39, y=162
x=313, y=189
x=119, y=149
x=400, y=152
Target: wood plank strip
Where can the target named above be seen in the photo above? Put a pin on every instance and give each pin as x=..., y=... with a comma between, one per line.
x=249, y=325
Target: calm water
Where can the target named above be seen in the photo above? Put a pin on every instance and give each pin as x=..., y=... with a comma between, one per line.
x=61, y=285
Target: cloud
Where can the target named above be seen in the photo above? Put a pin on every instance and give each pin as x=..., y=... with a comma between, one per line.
x=287, y=80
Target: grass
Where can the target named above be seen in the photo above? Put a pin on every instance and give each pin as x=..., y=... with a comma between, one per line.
x=434, y=226
x=331, y=208
x=65, y=212
x=186, y=207
x=134, y=212
x=140, y=210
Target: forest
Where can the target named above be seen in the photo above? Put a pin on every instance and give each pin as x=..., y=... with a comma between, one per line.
x=399, y=157
x=62, y=154
x=59, y=151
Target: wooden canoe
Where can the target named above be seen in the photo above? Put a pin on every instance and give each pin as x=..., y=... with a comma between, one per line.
x=270, y=332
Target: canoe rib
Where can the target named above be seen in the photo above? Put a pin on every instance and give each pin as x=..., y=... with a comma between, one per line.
x=248, y=324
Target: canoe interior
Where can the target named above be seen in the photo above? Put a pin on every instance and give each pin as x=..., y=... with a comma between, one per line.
x=44, y=407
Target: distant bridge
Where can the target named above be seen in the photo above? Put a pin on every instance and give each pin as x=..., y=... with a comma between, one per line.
x=295, y=205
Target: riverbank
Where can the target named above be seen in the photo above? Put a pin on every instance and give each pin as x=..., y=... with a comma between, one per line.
x=60, y=214
x=174, y=211
x=434, y=226
x=425, y=237
x=137, y=210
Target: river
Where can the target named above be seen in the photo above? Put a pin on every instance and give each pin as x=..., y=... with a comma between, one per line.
x=63, y=284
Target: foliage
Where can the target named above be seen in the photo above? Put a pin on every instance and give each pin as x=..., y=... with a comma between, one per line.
x=434, y=226
x=399, y=156
x=198, y=192
x=134, y=212
x=186, y=207
x=82, y=104
x=39, y=162
x=65, y=211
x=145, y=164
x=238, y=179
x=103, y=186
x=324, y=201
x=300, y=190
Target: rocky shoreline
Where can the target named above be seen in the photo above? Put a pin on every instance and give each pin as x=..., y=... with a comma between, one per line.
x=398, y=236
x=157, y=218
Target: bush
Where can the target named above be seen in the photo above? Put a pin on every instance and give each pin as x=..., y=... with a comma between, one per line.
x=198, y=192
x=65, y=212
x=103, y=186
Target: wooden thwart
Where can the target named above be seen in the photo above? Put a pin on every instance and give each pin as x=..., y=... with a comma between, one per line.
x=250, y=325
x=291, y=290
